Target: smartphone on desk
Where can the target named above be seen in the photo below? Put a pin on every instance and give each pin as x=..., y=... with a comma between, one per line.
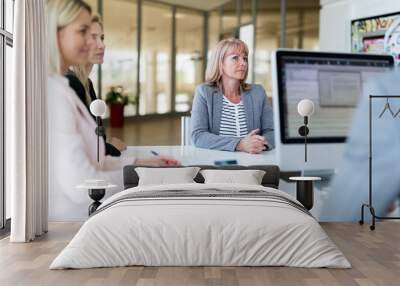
x=225, y=162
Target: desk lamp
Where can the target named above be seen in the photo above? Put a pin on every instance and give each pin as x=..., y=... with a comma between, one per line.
x=98, y=109
x=305, y=108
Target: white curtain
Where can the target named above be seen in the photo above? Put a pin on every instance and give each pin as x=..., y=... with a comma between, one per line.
x=26, y=124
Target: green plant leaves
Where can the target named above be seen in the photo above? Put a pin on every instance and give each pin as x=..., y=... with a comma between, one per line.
x=117, y=95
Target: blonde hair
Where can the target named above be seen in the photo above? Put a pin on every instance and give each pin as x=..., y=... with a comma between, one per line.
x=81, y=71
x=60, y=13
x=214, y=67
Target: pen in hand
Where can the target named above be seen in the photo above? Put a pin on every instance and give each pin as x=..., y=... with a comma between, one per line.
x=167, y=161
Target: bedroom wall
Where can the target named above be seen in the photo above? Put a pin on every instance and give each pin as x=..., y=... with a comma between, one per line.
x=336, y=17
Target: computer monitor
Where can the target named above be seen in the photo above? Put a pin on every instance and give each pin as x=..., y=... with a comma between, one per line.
x=334, y=82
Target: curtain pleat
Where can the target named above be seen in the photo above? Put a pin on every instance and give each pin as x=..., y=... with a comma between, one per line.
x=28, y=118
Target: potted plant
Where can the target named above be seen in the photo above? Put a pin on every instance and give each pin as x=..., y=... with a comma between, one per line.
x=116, y=98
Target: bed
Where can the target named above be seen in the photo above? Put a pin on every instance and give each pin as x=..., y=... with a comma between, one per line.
x=198, y=224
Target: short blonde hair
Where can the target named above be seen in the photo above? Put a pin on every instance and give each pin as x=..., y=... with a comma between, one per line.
x=60, y=13
x=214, y=67
x=81, y=71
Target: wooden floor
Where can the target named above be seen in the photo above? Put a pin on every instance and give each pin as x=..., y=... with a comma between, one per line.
x=375, y=257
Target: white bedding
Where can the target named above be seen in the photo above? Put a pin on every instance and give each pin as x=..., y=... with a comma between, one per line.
x=200, y=231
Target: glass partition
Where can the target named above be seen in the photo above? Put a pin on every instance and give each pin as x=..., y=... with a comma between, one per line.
x=189, y=56
x=229, y=20
x=1, y=15
x=155, y=60
x=246, y=15
x=302, y=25
x=6, y=70
x=2, y=137
x=246, y=34
x=267, y=40
x=9, y=15
x=7, y=96
x=120, y=61
x=213, y=30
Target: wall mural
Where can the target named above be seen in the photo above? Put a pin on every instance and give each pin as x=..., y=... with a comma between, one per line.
x=379, y=34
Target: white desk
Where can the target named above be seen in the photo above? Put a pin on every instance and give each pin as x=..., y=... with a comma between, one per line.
x=190, y=155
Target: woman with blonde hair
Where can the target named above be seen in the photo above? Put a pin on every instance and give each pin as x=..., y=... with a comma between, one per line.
x=79, y=81
x=72, y=138
x=227, y=113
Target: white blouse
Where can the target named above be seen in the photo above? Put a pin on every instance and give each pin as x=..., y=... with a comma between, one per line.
x=73, y=154
x=233, y=119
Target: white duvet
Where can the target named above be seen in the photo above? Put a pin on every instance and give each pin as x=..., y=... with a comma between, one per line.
x=200, y=231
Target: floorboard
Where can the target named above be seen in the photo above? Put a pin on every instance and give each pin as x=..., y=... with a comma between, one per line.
x=375, y=257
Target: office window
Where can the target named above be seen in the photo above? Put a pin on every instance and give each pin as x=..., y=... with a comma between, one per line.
x=9, y=14
x=267, y=40
x=155, y=60
x=189, y=56
x=311, y=29
x=229, y=20
x=7, y=96
x=6, y=42
x=246, y=34
x=301, y=32
x=246, y=15
x=120, y=61
x=213, y=30
x=302, y=25
x=2, y=137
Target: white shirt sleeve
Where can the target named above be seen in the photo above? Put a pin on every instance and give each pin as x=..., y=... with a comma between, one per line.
x=70, y=155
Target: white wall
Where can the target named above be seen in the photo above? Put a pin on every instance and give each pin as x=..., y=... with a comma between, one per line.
x=336, y=17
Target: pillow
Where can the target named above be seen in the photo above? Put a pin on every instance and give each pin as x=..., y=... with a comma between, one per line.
x=248, y=177
x=164, y=176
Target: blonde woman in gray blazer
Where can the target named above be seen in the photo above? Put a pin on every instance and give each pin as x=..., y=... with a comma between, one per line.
x=227, y=113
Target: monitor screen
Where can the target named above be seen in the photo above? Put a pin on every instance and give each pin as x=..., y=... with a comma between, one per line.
x=333, y=81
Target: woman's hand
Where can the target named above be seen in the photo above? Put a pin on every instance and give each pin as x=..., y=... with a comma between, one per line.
x=117, y=143
x=252, y=143
x=158, y=161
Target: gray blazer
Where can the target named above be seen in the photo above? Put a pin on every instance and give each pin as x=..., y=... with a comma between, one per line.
x=206, y=117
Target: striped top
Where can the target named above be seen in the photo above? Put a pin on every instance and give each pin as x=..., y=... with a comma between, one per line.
x=233, y=119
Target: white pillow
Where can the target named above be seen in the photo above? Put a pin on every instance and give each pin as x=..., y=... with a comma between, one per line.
x=164, y=176
x=248, y=177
